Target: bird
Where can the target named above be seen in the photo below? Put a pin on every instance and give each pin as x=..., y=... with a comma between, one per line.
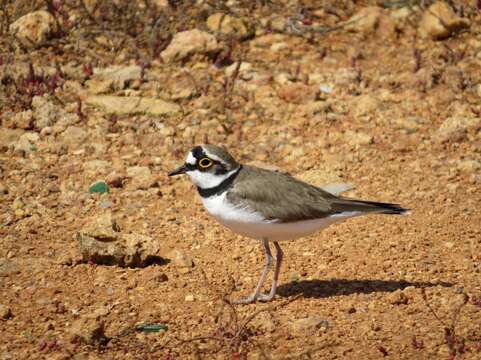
x=267, y=205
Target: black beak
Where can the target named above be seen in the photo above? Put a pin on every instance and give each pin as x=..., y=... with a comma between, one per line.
x=180, y=170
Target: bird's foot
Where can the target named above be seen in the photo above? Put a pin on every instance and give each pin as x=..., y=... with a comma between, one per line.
x=254, y=298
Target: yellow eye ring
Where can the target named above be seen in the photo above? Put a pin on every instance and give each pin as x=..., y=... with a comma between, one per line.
x=204, y=163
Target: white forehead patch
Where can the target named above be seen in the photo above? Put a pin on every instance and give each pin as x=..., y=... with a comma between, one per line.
x=190, y=159
x=213, y=157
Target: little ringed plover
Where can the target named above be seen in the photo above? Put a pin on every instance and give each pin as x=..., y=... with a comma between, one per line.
x=267, y=205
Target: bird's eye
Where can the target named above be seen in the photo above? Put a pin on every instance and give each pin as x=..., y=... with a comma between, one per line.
x=205, y=163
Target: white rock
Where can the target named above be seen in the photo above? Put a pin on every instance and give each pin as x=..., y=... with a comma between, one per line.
x=364, y=105
x=324, y=88
x=469, y=165
x=283, y=78
x=98, y=86
x=119, y=75
x=279, y=46
x=27, y=142
x=96, y=166
x=455, y=128
x=121, y=105
x=46, y=114
x=187, y=43
x=180, y=258
x=161, y=4
x=230, y=25
x=142, y=177
x=346, y=76
x=102, y=242
x=308, y=326
x=74, y=136
x=5, y=312
x=478, y=90
x=365, y=21
x=33, y=29
x=244, y=68
x=23, y=120
x=358, y=138
x=439, y=21
x=134, y=171
x=89, y=330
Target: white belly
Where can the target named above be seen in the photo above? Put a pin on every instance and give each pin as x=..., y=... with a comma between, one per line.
x=252, y=224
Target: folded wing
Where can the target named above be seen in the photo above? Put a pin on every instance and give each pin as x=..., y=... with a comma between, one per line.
x=278, y=196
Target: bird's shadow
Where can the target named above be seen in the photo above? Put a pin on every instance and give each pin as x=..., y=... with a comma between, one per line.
x=339, y=287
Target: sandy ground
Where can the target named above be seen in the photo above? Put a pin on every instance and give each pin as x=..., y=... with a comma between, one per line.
x=381, y=107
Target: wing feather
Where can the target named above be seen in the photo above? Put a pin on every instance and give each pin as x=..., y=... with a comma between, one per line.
x=279, y=196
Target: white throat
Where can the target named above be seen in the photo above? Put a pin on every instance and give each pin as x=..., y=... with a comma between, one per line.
x=207, y=180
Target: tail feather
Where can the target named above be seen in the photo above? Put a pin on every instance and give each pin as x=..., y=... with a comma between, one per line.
x=386, y=208
x=369, y=207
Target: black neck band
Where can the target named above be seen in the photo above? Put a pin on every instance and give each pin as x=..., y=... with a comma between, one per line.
x=219, y=189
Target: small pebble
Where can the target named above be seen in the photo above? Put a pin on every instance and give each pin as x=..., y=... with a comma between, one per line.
x=5, y=312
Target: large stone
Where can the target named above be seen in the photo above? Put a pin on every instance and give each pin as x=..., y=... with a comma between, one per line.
x=358, y=138
x=439, y=21
x=99, y=86
x=27, y=142
x=116, y=75
x=346, y=76
x=121, y=105
x=455, y=129
x=47, y=114
x=74, y=136
x=5, y=312
x=230, y=25
x=365, y=21
x=33, y=29
x=89, y=330
x=102, y=242
x=22, y=120
x=8, y=267
x=96, y=166
x=91, y=5
x=308, y=326
x=180, y=258
x=398, y=297
x=9, y=136
x=141, y=176
x=469, y=165
x=298, y=93
x=182, y=88
x=119, y=73
x=244, y=70
x=188, y=43
x=364, y=105
x=161, y=4
x=102, y=228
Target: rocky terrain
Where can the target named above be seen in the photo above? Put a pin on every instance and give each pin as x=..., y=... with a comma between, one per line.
x=102, y=256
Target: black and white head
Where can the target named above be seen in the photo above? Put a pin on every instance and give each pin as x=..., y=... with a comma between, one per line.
x=208, y=166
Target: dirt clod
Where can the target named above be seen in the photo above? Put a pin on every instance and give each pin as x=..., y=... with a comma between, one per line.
x=89, y=330
x=374, y=100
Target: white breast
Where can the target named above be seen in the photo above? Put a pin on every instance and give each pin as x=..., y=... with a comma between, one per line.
x=252, y=224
